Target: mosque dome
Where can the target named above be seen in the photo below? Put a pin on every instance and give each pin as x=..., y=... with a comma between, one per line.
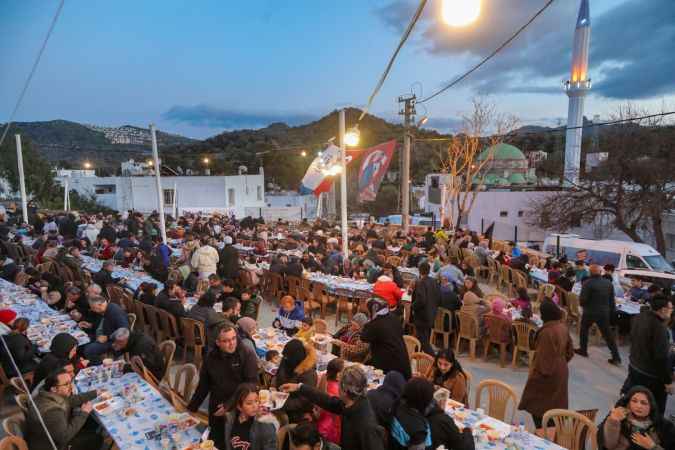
x=517, y=178
x=501, y=152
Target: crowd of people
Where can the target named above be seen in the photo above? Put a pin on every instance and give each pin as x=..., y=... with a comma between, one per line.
x=330, y=408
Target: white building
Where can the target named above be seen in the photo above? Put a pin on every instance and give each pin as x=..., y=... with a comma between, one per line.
x=222, y=194
x=75, y=173
x=304, y=204
x=133, y=168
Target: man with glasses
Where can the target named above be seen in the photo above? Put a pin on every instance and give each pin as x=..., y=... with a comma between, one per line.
x=227, y=366
x=64, y=414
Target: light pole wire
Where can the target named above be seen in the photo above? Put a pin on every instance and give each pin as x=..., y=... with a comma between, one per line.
x=32, y=71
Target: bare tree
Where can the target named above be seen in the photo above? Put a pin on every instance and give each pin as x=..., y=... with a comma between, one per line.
x=630, y=191
x=483, y=129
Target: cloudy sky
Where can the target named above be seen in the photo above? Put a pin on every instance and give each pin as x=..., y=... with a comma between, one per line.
x=201, y=67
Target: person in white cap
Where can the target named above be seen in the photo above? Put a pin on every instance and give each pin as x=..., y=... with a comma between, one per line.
x=229, y=260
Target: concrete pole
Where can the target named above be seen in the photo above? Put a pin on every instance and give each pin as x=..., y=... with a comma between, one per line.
x=175, y=201
x=408, y=112
x=65, y=192
x=158, y=182
x=343, y=186
x=22, y=178
x=318, y=206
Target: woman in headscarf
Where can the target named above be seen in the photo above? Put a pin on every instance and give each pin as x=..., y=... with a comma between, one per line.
x=546, y=386
x=63, y=350
x=384, y=333
x=348, y=339
x=384, y=398
x=635, y=423
x=499, y=309
x=298, y=365
x=247, y=328
x=20, y=347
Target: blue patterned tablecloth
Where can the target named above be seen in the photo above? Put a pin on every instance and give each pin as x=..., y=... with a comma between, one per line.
x=134, y=278
x=153, y=409
x=45, y=322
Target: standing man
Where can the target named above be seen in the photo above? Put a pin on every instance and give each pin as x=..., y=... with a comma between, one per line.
x=229, y=260
x=425, y=299
x=597, y=299
x=650, y=346
x=205, y=259
x=227, y=366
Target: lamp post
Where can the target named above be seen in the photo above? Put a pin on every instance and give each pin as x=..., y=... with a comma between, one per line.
x=22, y=178
x=350, y=138
x=158, y=182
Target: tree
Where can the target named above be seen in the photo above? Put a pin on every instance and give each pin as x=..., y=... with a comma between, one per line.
x=630, y=191
x=461, y=159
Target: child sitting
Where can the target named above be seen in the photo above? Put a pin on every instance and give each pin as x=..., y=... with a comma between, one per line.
x=272, y=361
x=290, y=315
x=306, y=332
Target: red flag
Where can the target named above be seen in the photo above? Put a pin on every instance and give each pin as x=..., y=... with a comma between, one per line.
x=374, y=166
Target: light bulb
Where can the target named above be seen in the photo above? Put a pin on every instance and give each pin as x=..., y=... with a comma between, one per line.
x=459, y=13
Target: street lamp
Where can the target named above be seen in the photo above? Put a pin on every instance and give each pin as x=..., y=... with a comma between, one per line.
x=459, y=13
x=205, y=160
x=351, y=139
x=303, y=153
x=352, y=136
x=150, y=163
x=87, y=165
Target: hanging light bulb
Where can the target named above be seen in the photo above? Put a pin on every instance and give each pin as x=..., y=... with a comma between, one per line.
x=352, y=137
x=459, y=13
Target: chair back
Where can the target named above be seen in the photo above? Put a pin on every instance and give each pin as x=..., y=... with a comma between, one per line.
x=294, y=287
x=571, y=429
x=545, y=290
x=412, y=344
x=501, y=398
x=141, y=322
x=131, y=317
x=13, y=443
x=22, y=402
x=115, y=293
x=167, y=324
x=519, y=279
x=128, y=302
x=498, y=329
x=573, y=305
x=14, y=425
x=168, y=350
x=468, y=325
x=421, y=364
x=523, y=331
x=138, y=366
x=443, y=321
x=185, y=381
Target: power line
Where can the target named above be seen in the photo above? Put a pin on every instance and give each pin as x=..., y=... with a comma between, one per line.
x=32, y=71
x=490, y=56
x=404, y=38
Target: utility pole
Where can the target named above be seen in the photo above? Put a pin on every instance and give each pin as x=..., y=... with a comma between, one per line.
x=407, y=110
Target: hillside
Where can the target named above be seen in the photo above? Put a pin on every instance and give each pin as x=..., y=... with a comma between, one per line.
x=69, y=144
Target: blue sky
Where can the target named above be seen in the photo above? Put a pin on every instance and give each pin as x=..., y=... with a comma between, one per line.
x=199, y=67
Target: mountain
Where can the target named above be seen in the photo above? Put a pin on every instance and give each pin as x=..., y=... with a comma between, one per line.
x=69, y=144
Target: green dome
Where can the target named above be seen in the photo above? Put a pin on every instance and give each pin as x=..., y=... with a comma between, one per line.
x=502, y=151
x=517, y=178
x=499, y=181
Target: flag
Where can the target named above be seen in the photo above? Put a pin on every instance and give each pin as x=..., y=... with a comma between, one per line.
x=373, y=168
x=321, y=173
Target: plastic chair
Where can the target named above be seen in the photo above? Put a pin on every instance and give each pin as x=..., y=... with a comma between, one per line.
x=468, y=330
x=194, y=337
x=412, y=344
x=443, y=327
x=499, y=334
x=168, y=349
x=320, y=326
x=22, y=402
x=570, y=429
x=344, y=305
x=14, y=425
x=499, y=395
x=573, y=310
x=152, y=316
x=131, y=317
x=421, y=364
x=523, y=343
x=185, y=381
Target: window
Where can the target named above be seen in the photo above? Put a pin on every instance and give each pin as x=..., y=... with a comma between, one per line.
x=434, y=182
x=503, y=214
x=259, y=191
x=635, y=262
x=521, y=213
x=230, y=197
x=168, y=197
x=104, y=188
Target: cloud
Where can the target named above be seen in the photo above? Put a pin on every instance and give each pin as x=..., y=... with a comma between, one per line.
x=444, y=124
x=212, y=117
x=631, y=46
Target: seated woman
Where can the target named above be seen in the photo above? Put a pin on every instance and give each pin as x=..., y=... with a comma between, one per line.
x=499, y=309
x=242, y=427
x=449, y=298
x=447, y=373
x=247, y=327
x=290, y=315
x=523, y=300
x=20, y=347
x=471, y=285
x=475, y=307
x=635, y=423
x=298, y=365
x=348, y=339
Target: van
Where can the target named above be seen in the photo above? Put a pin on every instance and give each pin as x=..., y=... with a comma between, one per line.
x=624, y=255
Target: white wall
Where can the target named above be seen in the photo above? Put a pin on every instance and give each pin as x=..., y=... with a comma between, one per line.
x=307, y=203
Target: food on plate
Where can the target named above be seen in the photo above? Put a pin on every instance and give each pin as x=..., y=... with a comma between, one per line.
x=130, y=411
x=264, y=396
x=493, y=435
x=207, y=445
x=105, y=395
x=102, y=406
x=485, y=427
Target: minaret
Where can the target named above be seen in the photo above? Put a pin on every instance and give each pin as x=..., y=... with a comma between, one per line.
x=576, y=89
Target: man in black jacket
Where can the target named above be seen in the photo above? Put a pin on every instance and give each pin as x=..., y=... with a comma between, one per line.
x=650, y=346
x=425, y=299
x=359, y=430
x=138, y=344
x=384, y=333
x=227, y=366
x=104, y=276
x=597, y=299
x=229, y=260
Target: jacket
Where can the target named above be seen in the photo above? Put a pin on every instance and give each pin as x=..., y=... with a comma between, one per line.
x=597, y=296
x=263, y=435
x=456, y=384
x=384, y=399
x=23, y=352
x=409, y=429
x=444, y=431
x=385, y=336
x=113, y=319
x=289, y=320
x=229, y=262
x=387, y=289
x=60, y=349
x=212, y=320
x=61, y=417
x=650, y=346
x=103, y=278
x=304, y=373
x=360, y=430
x=141, y=345
x=221, y=374
x=425, y=299
x=205, y=259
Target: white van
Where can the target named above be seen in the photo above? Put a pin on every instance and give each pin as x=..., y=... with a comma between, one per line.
x=624, y=255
